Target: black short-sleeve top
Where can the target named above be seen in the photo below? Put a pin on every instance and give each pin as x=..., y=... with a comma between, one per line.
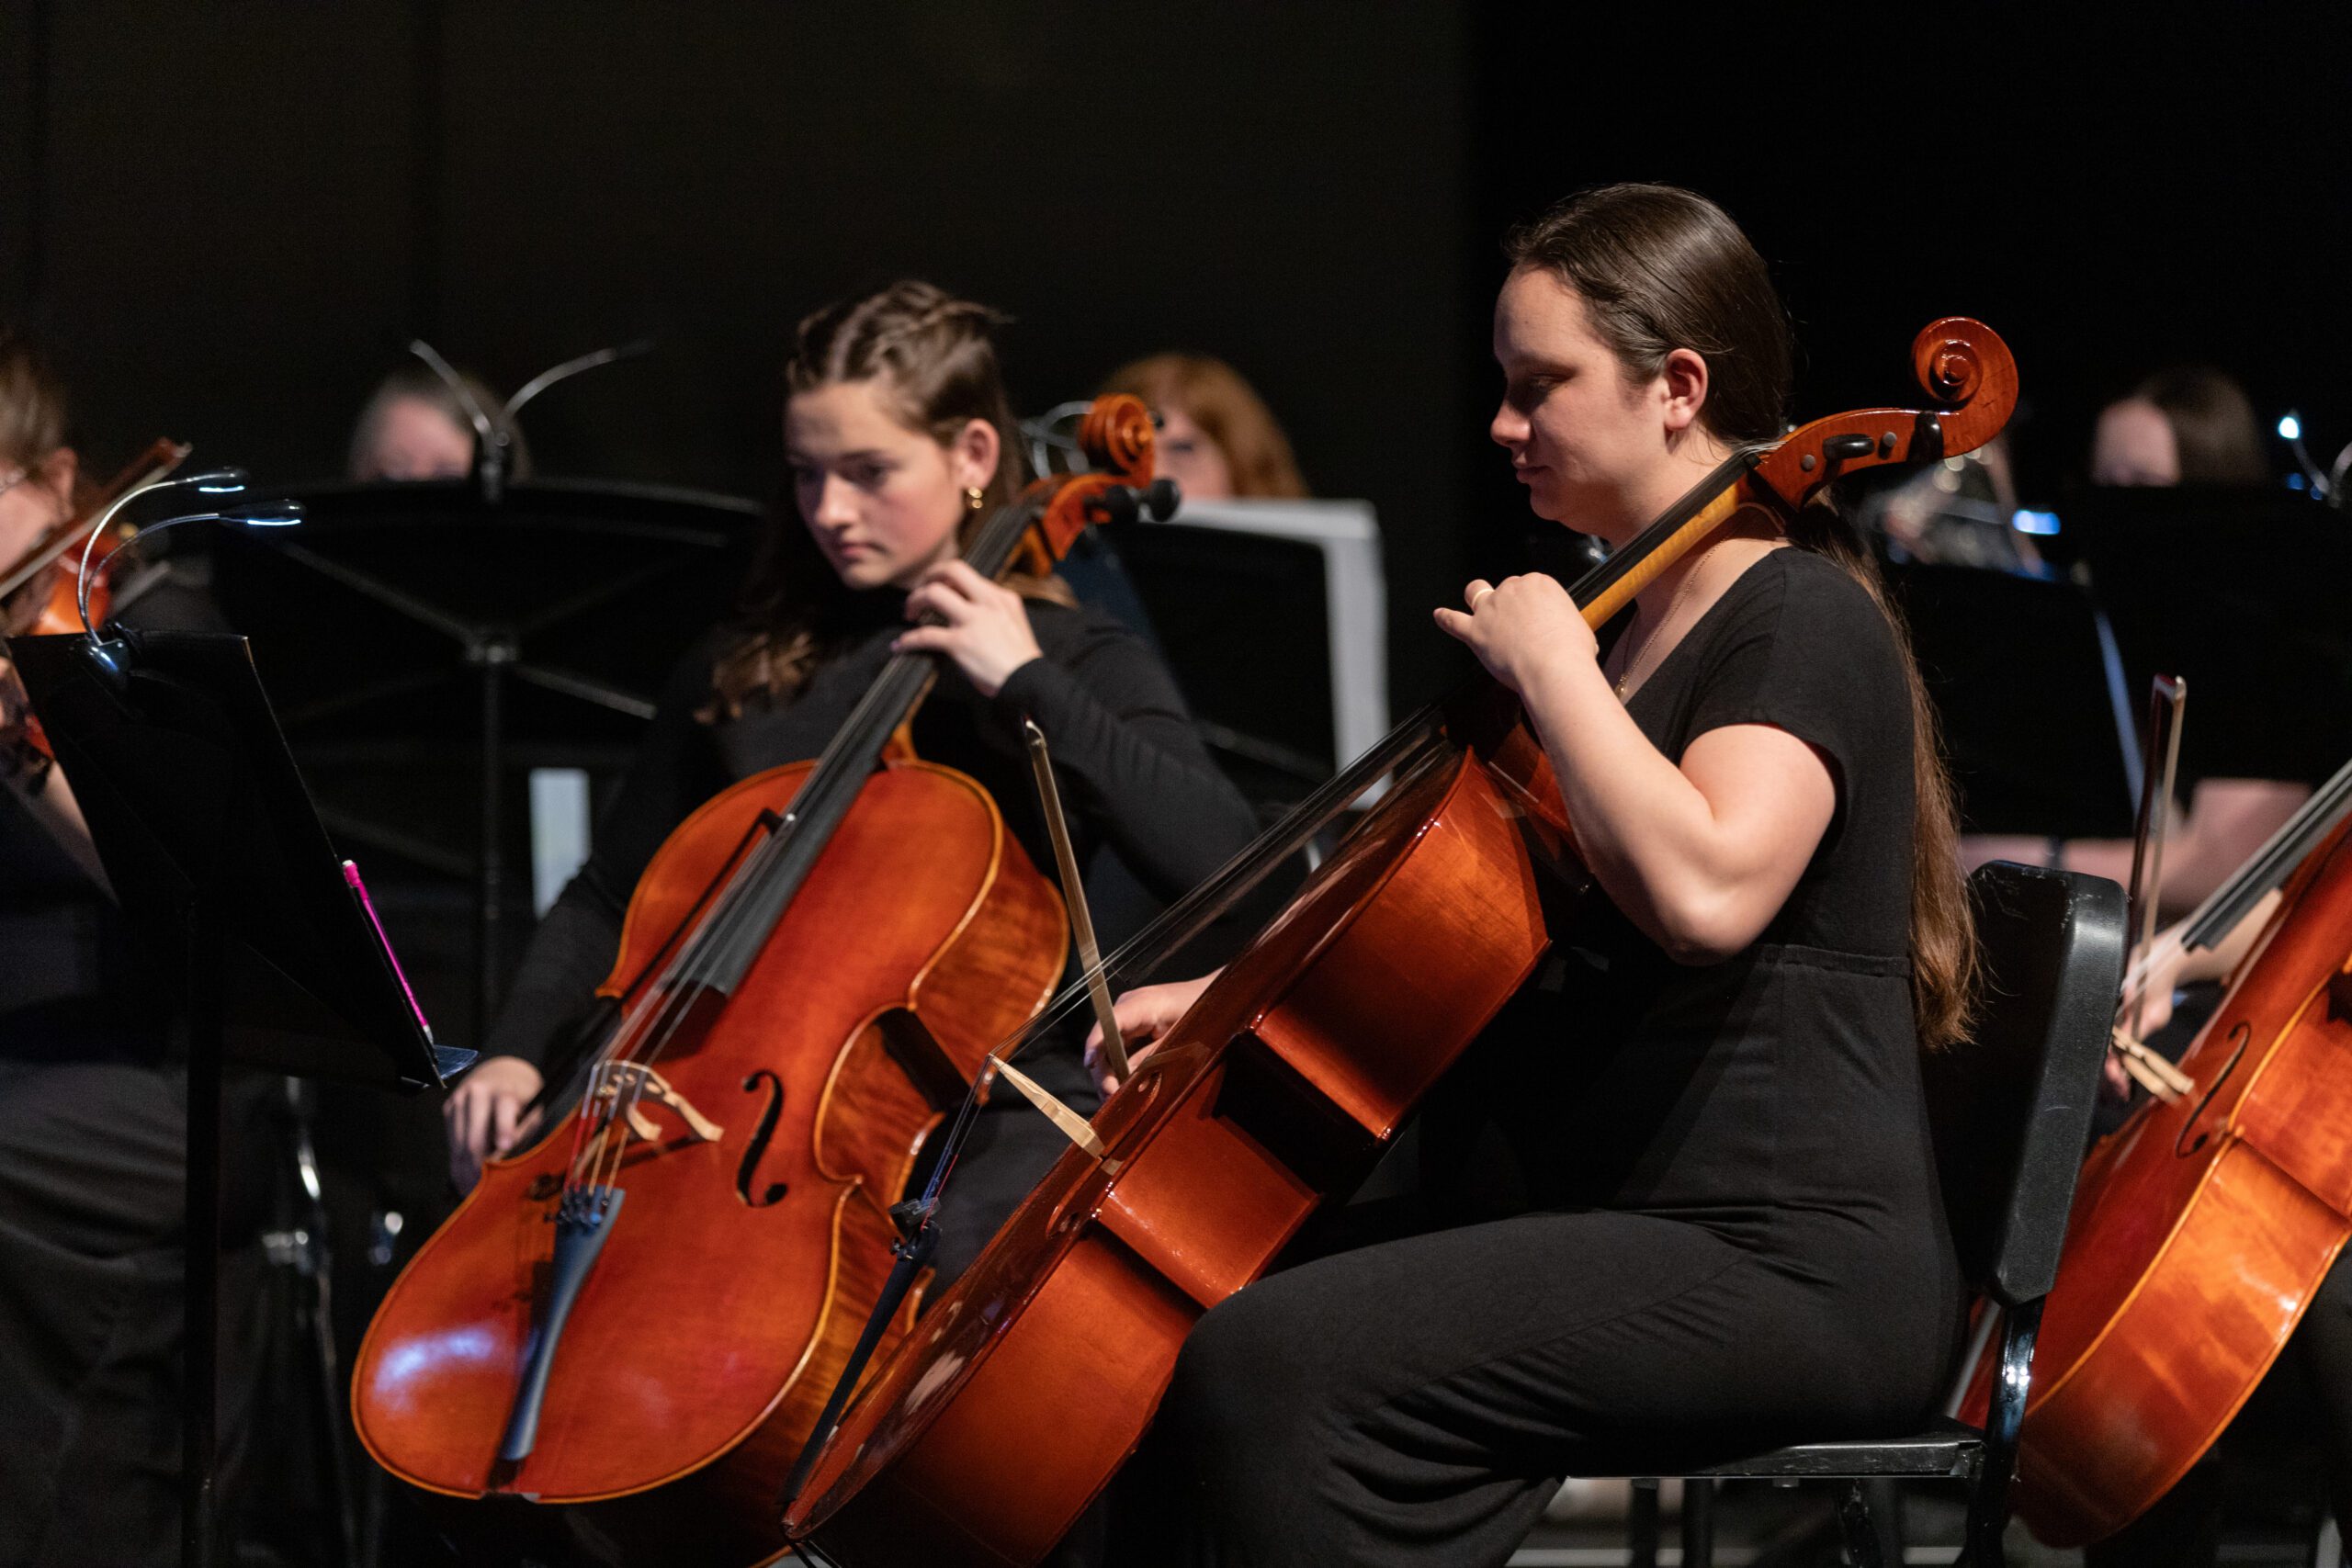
x=1785, y=1079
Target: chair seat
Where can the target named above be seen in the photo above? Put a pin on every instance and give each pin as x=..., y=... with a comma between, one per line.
x=1948, y=1448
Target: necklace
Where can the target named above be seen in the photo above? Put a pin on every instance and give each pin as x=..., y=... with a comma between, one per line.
x=1634, y=666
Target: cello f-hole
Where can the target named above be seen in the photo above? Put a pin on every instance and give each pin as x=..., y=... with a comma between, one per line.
x=757, y=1149
x=2182, y=1146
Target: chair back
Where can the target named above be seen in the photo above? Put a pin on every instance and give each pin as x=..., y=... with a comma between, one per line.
x=2011, y=1108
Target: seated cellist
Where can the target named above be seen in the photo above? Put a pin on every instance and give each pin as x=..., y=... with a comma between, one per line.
x=900, y=438
x=1689, y=1198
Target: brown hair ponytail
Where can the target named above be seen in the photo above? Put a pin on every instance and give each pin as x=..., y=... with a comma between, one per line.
x=1658, y=269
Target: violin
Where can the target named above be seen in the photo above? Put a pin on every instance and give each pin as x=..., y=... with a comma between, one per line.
x=40, y=591
x=1007, y=1410
x=645, y=1310
x=2204, y=1223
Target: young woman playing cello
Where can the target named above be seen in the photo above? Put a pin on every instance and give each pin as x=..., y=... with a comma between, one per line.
x=899, y=437
x=1718, y=1220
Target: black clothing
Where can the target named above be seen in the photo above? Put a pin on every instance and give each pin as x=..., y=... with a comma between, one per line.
x=1724, y=1226
x=71, y=986
x=92, y=1155
x=1135, y=780
x=1134, y=776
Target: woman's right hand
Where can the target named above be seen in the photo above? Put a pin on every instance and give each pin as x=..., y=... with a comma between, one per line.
x=1144, y=1015
x=485, y=1114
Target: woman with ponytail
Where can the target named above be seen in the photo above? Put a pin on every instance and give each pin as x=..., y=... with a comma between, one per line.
x=901, y=441
x=1684, y=1189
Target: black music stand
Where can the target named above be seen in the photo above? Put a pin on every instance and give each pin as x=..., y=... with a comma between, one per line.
x=2240, y=592
x=2039, y=717
x=424, y=620
x=232, y=891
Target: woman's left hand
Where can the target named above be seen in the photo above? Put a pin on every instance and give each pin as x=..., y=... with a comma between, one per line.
x=1519, y=623
x=983, y=626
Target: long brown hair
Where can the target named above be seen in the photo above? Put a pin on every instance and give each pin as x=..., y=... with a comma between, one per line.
x=933, y=359
x=1229, y=412
x=32, y=403
x=1658, y=269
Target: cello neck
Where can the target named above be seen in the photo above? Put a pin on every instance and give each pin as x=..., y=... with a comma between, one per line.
x=1700, y=510
x=731, y=940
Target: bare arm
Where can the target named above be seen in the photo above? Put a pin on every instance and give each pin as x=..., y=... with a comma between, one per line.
x=1699, y=856
x=2226, y=822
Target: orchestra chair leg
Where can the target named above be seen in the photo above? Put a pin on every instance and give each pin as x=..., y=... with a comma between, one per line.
x=1641, y=1524
x=1698, y=1523
x=1860, y=1529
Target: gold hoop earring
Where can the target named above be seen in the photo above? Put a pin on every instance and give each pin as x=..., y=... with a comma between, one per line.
x=973, y=497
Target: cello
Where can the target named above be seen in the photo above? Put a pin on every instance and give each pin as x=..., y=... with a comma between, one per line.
x=2202, y=1226
x=644, y=1309
x=1029, y=1383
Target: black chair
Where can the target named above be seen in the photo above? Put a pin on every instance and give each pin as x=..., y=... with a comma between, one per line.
x=2011, y=1112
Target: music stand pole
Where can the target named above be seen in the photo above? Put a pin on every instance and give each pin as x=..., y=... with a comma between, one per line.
x=199, y=1304
x=493, y=654
x=215, y=853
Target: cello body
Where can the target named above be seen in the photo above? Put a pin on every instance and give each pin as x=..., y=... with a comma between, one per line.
x=741, y=1267
x=2200, y=1230
x=1415, y=931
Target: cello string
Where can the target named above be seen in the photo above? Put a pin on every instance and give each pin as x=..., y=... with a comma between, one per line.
x=642, y=1035
x=1402, y=747
x=1405, y=750
x=834, y=783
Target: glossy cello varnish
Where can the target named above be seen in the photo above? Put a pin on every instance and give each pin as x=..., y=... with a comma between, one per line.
x=1014, y=1401
x=650, y=1303
x=2200, y=1229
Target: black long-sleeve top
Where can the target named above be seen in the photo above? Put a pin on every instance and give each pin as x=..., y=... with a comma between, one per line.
x=1134, y=776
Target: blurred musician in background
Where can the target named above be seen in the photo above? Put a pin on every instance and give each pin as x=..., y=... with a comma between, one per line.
x=92, y=1129
x=899, y=439
x=1709, y=1212
x=2187, y=425
x=414, y=426
x=2181, y=426
x=1218, y=439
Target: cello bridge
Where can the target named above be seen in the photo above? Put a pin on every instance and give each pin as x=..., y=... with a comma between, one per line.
x=623, y=1089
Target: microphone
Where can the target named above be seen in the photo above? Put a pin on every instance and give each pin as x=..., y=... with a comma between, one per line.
x=491, y=442
x=494, y=438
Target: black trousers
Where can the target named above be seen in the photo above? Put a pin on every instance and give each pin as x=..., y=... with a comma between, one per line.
x=1419, y=1401
x=92, y=1160
x=1011, y=1148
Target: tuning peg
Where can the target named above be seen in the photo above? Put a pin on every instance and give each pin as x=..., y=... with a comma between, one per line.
x=1162, y=498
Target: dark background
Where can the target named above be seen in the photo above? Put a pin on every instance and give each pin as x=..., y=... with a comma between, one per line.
x=228, y=218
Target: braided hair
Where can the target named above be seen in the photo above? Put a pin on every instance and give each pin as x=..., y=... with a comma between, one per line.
x=931, y=358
